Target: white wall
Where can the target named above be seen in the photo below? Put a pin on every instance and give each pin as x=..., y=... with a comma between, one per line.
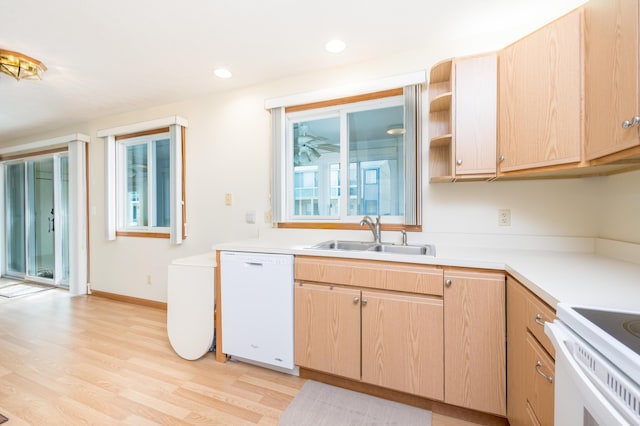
x=566, y=207
x=228, y=150
x=620, y=204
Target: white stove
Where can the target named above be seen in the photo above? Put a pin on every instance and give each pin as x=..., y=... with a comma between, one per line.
x=597, y=366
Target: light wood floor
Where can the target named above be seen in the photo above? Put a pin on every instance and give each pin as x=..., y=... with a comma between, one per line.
x=89, y=360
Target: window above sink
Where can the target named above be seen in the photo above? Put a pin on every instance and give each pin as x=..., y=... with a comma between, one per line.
x=338, y=161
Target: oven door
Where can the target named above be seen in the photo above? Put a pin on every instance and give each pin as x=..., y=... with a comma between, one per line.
x=578, y=402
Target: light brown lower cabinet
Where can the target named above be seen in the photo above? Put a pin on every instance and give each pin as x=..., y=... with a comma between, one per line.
x=401, y=337
x=327, y=329
x=540, y=375
x=402, y=343
x=531, y=419
x=418, y=329
x=531, y=367
x=474, y=345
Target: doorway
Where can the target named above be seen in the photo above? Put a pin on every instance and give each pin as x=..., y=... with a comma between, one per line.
x=36, y=219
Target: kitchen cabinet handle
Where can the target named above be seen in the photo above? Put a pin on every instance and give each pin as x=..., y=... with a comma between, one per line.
x=501, y=158
x=538, y=320
x=459, y=162
x=447, y=283
x=538, y=366
x=356, y=300
x=364, y=302
x=634, y=122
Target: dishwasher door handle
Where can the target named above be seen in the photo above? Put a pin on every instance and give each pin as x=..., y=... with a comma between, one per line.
x=253, y=264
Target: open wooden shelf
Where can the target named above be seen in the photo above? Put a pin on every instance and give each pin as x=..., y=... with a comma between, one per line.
x=440, y=116
x=440, y=141
x=441, y=102
x=441, y=72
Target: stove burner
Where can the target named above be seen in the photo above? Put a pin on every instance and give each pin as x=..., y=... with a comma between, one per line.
x=622, y=326
x=633, y=327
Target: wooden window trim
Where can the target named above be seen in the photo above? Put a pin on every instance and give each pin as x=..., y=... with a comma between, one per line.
x=33, y=154
x=347, y=100
x=142, y=234
x=144, y=133
x=347, y=226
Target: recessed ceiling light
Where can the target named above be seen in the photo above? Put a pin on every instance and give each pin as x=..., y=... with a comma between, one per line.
x=222, y=73
x=335, y=46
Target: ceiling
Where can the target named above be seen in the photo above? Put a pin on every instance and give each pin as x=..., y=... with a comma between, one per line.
x=110, y=57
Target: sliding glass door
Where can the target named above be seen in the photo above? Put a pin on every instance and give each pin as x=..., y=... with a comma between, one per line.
x=36, y=225
x=41, y=220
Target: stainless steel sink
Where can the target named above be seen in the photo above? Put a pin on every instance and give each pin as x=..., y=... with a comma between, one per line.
x=344, y=245
x=424, y=250
x=420, y=250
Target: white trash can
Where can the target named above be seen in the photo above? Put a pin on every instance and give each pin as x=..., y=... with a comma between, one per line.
x=190, y=305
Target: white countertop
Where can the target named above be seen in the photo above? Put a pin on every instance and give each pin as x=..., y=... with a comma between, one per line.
x=577, y=277
x=205, y=260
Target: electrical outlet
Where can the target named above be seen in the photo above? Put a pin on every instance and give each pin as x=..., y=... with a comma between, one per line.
x=149, y=279
x=504, y=217
x=228, y=199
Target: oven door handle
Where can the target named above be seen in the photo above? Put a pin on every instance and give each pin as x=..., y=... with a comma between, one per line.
x=596, y=402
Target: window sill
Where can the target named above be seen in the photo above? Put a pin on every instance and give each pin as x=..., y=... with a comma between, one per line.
x=142, y=234
x=350, y=226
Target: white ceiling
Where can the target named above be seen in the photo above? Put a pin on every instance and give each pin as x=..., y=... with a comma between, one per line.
x=112, y=56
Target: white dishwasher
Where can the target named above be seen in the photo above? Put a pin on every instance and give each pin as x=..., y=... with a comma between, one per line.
x=256, y=293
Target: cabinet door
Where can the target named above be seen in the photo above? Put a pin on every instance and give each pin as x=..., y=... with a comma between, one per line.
x=402, y=343
x=476, y=92
x=540, y=97
x=611, y=62
x=517, y=350
x=475, y=346
x=327, y=329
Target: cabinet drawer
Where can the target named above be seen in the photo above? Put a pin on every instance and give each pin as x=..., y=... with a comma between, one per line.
x=540, y=380
x=531, y=419
x=537, y=314
x=405, y=277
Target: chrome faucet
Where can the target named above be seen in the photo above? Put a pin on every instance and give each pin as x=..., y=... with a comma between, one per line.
x=374, y=227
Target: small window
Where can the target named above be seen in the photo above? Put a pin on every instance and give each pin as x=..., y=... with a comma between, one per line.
x=144, y=183
x=145, y=180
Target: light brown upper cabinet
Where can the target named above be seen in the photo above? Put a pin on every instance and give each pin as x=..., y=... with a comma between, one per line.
x=462, y=118
x=612, y=78
x=540, y=98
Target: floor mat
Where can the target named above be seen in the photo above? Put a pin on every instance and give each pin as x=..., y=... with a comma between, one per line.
x=318, y=404
x=4, y=282
x=22, y=289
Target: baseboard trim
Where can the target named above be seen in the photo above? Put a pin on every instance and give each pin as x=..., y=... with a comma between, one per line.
x=436, y=407
x=130, y=299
